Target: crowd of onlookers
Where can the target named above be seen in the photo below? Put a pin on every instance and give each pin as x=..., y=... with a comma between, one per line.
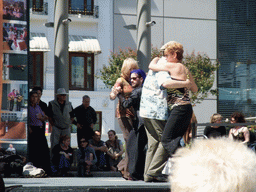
x=238, y=132
x=155, y=114
x=92, y=153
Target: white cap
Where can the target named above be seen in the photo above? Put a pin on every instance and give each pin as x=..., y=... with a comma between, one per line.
x=61, y=91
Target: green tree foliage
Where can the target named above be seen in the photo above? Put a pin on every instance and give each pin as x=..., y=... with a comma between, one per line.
x=200, y=66
x=203, y=71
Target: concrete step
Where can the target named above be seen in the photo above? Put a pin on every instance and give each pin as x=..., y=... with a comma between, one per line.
x=82, y=184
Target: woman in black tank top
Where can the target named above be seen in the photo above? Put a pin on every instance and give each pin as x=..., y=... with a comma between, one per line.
x=179, y=105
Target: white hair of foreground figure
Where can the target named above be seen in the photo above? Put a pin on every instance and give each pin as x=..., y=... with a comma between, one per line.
x=214, y=165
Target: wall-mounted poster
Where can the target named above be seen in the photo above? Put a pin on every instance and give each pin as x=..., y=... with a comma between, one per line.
x=15, y=96
x=14, y=110
x=15, y=37
x=15, y=67
x=14, y=10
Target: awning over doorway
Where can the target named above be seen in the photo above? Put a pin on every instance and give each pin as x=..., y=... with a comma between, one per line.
x=87, y=44
x=38, y=42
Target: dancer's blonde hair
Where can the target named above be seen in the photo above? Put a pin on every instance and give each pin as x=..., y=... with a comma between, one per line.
x=214, y=165
x=129, y=64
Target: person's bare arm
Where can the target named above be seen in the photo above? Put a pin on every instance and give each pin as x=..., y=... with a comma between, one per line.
x=51, y=121
x=115, y=89
x=45, y=117
x=176, y=84
x=180, y=72
x=246, y=135
x=42, y=117
x=102, y=148
x=230, y=134
x=155, y=66
x=122, y=151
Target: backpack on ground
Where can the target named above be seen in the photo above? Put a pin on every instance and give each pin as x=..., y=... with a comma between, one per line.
x=11, y=164
x=31, y=171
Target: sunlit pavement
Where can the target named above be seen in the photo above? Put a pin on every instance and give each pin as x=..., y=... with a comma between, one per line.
x=83, y=184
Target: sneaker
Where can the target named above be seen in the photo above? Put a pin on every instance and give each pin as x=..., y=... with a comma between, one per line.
x=31, y=171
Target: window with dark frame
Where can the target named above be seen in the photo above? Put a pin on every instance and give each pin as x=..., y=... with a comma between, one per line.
x=81, y=71
x=83, y=7
x=36, y=71
x=37, y=5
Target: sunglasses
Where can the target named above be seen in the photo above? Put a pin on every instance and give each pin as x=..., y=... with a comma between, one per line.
x=134, y=78
x=83, y=141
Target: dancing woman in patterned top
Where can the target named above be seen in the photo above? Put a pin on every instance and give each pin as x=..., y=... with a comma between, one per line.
x=179, y=104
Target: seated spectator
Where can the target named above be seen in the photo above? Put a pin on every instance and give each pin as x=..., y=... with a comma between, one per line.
x=215, y=131
x=86, y=158
x=62, y=157
x=186, y=139
x=239, y=132
x=100, y=149
x=214, y=165
x=115, y=150
x=11, y=150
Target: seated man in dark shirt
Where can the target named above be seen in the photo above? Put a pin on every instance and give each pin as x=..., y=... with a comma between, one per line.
x=215, y=131
x=100, y=149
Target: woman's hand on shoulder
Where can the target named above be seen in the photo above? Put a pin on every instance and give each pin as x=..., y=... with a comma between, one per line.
x=156, y=66
x=118, y=82
x=117, y=88
x=153, y=62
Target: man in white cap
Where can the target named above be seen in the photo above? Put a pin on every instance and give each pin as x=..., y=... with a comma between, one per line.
x=60, y=116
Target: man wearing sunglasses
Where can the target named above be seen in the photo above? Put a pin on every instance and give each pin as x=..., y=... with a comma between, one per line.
x=136, y=145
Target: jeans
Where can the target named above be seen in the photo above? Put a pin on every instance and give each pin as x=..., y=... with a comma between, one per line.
x=176, y=127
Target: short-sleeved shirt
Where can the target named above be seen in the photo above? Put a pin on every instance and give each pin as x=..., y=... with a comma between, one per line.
x=86, y=116
x=153, y=104
x=215, y=132
x=33, y=111
x=99, y=144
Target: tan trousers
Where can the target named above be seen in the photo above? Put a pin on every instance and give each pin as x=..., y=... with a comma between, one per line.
x=156, y=156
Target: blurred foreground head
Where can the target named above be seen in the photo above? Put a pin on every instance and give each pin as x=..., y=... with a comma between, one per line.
x=214, y=165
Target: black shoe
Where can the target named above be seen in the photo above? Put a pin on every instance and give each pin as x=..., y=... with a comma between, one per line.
x=159, y=178
x=88, y=174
